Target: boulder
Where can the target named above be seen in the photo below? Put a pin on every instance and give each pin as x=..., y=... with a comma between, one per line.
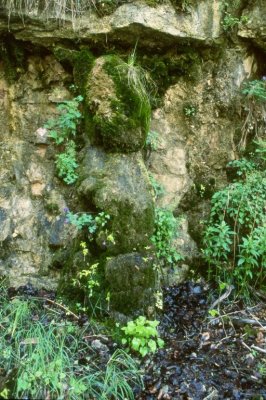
x=132, y=280
x=119, y=185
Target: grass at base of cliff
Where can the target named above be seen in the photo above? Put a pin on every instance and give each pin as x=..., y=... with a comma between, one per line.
x=46, y=352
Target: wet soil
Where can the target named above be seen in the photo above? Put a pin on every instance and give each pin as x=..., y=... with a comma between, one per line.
x=207, y=357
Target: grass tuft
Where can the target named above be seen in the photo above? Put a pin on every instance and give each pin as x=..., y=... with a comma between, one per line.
x=43, y=356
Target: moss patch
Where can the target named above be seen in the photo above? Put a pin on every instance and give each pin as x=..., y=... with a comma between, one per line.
x=83, y=64
x=169, y=68
x=14, y=58
x=119, y=104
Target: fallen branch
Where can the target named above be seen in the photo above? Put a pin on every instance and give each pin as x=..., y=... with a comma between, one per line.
x=247, y=321
x=258, y=349
x=222, y=297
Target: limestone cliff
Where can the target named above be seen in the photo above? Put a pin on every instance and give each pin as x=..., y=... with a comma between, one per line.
x=198, y=65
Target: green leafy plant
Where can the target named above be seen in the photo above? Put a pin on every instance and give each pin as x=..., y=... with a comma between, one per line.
x=234, y=241
x=87, y=279
x=255, y=89
x=242, y=166
x=230, y=22
x=92, y=223
x=190, y=110
x=142, y=336
x=166, y=227
x=65, y=125
x=61, y=129
x=152, y=140
x=157, y=187
x=66, y=163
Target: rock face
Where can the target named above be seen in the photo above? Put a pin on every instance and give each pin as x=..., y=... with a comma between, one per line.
x=32, y=226
x=198, y=121
x=119, y=184
x=255, y=29
x=153, y=26
x=197, y=130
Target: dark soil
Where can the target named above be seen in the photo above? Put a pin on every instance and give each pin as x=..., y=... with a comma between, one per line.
x=206, y=357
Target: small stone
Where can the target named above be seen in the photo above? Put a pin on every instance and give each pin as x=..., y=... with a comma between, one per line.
x=98, y=346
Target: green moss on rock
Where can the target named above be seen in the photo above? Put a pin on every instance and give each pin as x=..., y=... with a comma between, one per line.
x=167, y=69
x=14, y=58
x=119, y=185
x=119, y=104
x=83, y=64
x=132, y=281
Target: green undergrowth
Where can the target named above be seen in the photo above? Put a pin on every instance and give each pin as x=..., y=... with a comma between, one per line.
x=142, y=336
x=85, y=284
x=235, y=237
x=166, y=230
x=45, y=354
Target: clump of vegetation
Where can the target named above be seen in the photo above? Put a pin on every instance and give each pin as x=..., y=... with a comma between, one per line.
x=167, y=69
x=166, y=230
x=230, y=20
x=61, y=130
x=65, y=125
x=130, y=105
x=157, y=187
x=92, y=223
x=254, y=104
x=66, y=163
x=142, y=336
x=235, y=238
x=152, y=141
x=255, y=89
x=89, y=281
x=190, y=110
x=41, y=356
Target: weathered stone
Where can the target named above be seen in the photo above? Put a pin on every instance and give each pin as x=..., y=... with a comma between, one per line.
x=5, y=225
x=119, y=185
x=31, y=226
x=154, y=26
x=255, y=29
x=132, y=281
